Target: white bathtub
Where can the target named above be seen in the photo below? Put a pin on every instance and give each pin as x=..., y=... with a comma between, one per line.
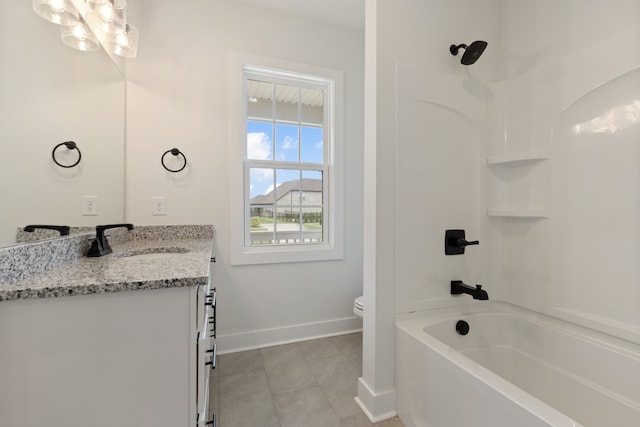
x=514, y=368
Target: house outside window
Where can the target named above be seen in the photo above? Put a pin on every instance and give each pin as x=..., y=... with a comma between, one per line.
x=291, y=189
x=295, y=217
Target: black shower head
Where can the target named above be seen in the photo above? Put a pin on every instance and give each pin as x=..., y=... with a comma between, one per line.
x=471, y=52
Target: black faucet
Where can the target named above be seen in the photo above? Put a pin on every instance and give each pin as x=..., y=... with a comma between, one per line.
x=100, y=245
x=62, y=229
x=457, y=287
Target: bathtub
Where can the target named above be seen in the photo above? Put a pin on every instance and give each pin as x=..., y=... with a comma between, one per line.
x=514, y=368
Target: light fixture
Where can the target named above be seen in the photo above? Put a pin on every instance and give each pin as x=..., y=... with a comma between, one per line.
x=108, y=16
x=60, y=12
x=80, y=37
x=86, y=24
x=124, y=44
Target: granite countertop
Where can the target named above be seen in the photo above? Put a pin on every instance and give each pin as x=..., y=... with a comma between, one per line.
x=183, y=261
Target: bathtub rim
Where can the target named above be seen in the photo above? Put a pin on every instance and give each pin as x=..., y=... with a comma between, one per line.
x=415, y=323
x=434, y=315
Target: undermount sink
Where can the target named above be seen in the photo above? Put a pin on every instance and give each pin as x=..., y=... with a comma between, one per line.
x=151, y=253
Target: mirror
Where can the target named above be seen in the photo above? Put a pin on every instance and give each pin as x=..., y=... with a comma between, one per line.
x=52, y=94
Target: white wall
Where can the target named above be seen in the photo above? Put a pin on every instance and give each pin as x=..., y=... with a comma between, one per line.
x=425, y=157
x=556, y=212
x=51, y=93
x=535, y=32
x=433, y=149
x=177, y=96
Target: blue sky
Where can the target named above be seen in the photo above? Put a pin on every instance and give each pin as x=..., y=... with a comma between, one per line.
x=289, y=147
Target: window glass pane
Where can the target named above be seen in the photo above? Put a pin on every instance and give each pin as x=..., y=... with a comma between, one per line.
x=312, y=224
x=261, y=185
x=287, y=103
x=312, y=174
x=287, y=187
x=261, y=224
x=259, y=99
x=312, y=111
x=259, y=140
x=288, y=225
x=287, y=143
x=311, y=189
x=311, y=145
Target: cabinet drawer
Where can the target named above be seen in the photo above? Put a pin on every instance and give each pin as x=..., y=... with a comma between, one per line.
x=206, y=306
x=206, y=362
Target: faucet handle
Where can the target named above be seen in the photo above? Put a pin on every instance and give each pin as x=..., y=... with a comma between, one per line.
x=455, y=242
x=101, y=228
x=461, y=242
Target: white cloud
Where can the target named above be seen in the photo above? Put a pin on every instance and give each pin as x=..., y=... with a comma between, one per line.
x=258, y=146
x=261, y=175
x=270, y=189
x=289, y=143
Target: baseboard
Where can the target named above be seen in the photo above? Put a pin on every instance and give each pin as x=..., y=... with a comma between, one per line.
x=231, y=343
x=377, y=407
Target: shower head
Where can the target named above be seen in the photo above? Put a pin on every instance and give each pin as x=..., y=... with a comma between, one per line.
x=471, y=52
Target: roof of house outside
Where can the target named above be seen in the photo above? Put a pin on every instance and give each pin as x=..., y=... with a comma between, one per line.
x=285, y=188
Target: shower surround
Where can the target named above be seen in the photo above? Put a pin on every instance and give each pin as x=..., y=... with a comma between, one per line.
x=533, y=150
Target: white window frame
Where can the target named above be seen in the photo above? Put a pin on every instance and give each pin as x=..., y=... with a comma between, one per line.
x=242, y=252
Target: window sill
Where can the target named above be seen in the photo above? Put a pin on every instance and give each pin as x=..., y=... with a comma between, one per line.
x=284, y=254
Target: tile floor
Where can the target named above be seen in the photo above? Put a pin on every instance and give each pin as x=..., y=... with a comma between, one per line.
x=305, y=384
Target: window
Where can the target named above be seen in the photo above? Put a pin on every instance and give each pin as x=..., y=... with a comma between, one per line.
x=290, y=190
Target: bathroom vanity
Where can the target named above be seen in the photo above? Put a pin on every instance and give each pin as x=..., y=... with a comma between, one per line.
x=120, y=340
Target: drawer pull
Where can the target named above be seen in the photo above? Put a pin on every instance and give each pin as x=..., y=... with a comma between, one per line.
x=212, y=362
x=210, y=299
x=212, y=322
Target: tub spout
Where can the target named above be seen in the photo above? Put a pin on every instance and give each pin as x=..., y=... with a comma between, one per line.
x=457, y=287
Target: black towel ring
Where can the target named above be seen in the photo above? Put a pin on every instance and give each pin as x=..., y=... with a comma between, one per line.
x=175, y=152
x=71, y=146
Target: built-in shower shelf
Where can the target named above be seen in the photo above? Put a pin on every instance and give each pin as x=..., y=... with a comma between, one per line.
x=532, y=213
x=531, y=156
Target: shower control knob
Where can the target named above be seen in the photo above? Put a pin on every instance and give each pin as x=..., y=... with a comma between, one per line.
x=461, y=242
x=455, y=242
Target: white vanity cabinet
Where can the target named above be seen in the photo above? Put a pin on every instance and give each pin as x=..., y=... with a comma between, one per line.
x=133, y=358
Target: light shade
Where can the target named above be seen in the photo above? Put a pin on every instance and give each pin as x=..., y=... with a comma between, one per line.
x=108, y=16
x=80, y=37
x=57, y=11
x=125, y=44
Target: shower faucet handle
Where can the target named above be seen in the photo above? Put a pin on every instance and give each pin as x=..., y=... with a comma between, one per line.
x=455, y=242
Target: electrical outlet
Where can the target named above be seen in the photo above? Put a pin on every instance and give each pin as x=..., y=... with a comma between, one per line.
x=89, y=205
x=158, y=205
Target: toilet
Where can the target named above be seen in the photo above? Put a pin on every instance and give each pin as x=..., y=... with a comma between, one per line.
x=358, y=306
